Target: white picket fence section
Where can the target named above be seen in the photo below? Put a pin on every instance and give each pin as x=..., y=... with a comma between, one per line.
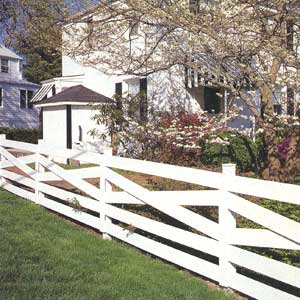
x=106, y=210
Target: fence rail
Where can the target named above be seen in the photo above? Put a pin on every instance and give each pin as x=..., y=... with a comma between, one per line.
x=211, y=248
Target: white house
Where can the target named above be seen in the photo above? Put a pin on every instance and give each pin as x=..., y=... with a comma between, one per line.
x=176, y=87
x=16, y=110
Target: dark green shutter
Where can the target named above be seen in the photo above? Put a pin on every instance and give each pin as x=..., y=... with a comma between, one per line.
x=119, y=92
x=69, y=126
x=143, y=100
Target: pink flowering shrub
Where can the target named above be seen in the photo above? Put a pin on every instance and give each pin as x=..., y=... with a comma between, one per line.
x=192, y=140
x=173, y=138
x=281, y=148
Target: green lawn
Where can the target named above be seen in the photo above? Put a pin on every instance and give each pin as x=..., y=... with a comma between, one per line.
x=43, y=256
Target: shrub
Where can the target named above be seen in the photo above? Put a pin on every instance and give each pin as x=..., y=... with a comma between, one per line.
x=237, y=149
x=21, y=134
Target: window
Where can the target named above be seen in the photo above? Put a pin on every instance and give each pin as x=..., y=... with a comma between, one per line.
x=22, y=98
x=29, y=97
x=133, y=87
x=277, y=109
x=212, y=101
x=138, y=106
x=1, y=97
x=4, y=65
x=25, y=97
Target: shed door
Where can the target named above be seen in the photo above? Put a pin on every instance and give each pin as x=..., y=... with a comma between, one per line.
x=69, y=127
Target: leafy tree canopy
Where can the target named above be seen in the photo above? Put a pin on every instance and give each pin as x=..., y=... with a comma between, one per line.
x=34, y=29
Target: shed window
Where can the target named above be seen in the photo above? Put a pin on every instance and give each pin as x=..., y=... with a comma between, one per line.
x=53, y=90
x=4, y=65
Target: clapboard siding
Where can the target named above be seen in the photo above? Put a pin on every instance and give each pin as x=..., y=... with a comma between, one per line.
x=14, y=69
x=11, y=115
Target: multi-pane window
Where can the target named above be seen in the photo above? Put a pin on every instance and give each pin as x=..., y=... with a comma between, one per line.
x=138, y=106
x=1, y=97
x=25, y=97
x=4, y=65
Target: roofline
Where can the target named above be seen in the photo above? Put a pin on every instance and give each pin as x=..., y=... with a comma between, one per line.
x=14, y=55
x=21, y=83
x=70, y=103
x=62, y=77
x=17, y=57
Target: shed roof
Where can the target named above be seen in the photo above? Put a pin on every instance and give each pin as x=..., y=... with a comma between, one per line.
x=76, y=94
x=5, y=52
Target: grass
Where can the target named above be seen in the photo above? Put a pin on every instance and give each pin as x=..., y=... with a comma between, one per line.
x=43, y=256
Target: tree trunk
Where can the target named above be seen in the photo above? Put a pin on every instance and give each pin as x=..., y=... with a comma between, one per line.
x=273, y=164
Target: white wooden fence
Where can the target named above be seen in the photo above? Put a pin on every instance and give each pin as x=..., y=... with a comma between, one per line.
x=222, y=240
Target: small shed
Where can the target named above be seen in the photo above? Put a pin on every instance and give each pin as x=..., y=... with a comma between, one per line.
x=67, y=119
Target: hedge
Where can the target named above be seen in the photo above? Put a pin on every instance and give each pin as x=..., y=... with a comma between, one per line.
x=240, y=150
x=21, y=134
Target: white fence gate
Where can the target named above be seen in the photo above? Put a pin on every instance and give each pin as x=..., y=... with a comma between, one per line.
x=106, y=211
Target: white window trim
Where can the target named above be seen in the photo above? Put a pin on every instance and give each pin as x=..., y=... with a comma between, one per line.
x=131, y=83
x=26, y=99
x=8, y=65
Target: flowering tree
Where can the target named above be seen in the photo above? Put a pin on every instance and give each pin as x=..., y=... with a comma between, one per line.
x=175, y=137
x=236, y=45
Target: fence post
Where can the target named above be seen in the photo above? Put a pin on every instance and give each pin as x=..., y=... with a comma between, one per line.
x=40, y=169
x=2, y=158
x=227, y=224
x=105, y=188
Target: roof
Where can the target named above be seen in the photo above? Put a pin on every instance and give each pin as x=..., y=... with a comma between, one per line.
x=15, y=81
x=8, y=53
x=76, y=94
